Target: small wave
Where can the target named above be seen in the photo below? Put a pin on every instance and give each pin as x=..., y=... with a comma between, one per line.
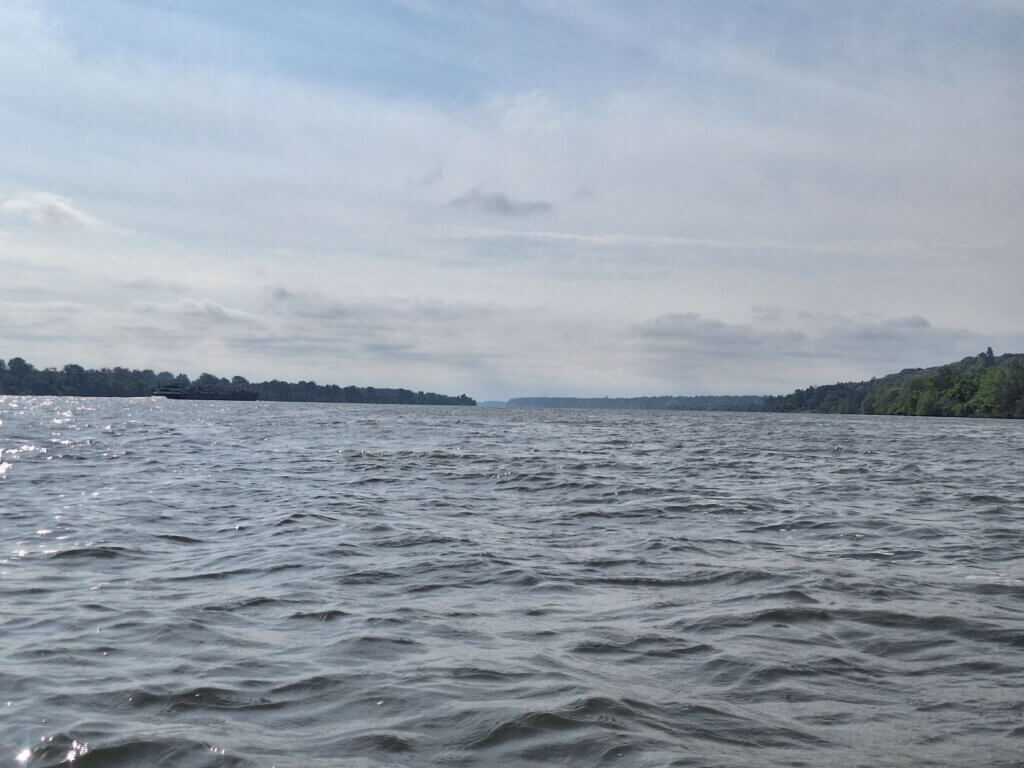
x=796, y=525
x=776, y=616
x=987, y=498
x=178, y=538
x=227, y=573
x=102, y=553
x=528, y=725
x=248, y=602
x=332, y=614
x=484, y=675
x=206, y=697
x=387, y=742
x=740, y=576
x=645, y=645
x=297, y=518
x=787, y=594
x=134, y=752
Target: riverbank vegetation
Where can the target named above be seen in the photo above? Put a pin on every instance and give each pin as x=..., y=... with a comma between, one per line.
x=18, y=377
x=983, y=385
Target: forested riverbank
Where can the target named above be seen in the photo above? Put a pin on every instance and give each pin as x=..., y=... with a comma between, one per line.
x=983, y=385
x=18, y=377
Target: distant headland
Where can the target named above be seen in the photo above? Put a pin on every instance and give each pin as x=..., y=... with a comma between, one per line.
x=980, y=386
x=18, y=377
x=983, y=385
x=658, y=403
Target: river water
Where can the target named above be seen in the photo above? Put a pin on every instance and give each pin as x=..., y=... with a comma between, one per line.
x=272, y=584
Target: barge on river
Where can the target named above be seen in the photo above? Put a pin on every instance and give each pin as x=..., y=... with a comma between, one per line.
x=178, y=392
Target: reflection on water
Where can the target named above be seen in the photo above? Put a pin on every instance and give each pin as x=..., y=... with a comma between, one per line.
x=209, y=584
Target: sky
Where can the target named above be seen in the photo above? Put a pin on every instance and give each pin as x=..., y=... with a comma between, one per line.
x=512, y=198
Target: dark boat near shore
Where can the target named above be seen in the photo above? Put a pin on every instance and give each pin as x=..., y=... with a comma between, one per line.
x=176, y=392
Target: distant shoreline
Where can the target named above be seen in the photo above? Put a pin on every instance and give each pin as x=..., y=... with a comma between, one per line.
x=18, y=377
x=982, y=386
x=659, y=403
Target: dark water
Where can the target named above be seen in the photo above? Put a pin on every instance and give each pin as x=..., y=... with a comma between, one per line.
x=222, y=584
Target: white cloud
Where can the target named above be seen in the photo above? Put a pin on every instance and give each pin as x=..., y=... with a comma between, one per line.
x=53, y=211
x=782, y=350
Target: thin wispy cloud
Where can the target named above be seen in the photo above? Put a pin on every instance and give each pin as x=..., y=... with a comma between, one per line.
x=499, y=204
x=53, y=211
x=618, y=239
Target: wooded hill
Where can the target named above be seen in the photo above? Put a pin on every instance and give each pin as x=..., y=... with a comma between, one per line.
x=984, y=385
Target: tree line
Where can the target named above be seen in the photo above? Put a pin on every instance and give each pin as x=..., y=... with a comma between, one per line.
x=18, y=377
x=983, y=385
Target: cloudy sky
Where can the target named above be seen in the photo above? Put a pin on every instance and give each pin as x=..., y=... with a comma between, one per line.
x=512, y=198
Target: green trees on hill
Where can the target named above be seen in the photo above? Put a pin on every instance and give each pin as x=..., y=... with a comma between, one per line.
x=984, y=385
x=18, y=377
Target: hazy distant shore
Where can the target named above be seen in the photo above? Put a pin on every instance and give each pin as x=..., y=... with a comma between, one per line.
x=983, y=386
x=661, y=403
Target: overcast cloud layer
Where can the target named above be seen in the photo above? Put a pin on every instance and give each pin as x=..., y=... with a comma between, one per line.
x=550, y=198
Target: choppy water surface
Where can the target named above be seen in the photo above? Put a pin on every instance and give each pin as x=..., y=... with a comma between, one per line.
x=219, y=584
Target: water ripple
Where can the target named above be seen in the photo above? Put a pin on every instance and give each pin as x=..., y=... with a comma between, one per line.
x=218, y=584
